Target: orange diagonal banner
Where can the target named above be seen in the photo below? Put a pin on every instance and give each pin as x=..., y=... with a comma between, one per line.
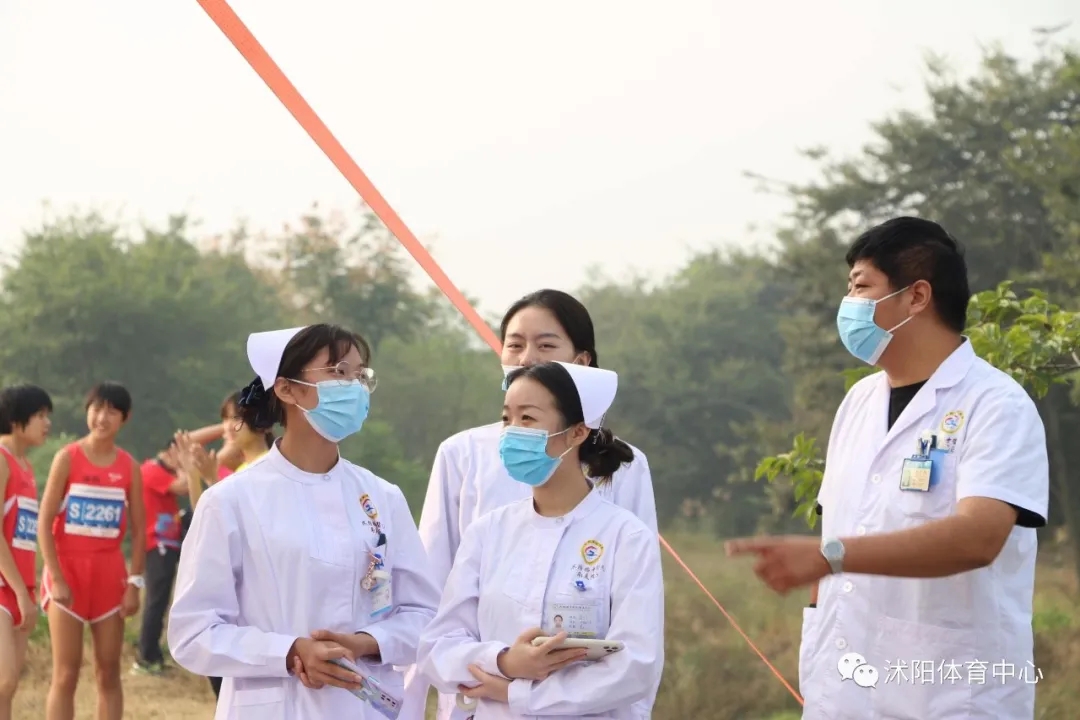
x=230, y=24
x=238, y=33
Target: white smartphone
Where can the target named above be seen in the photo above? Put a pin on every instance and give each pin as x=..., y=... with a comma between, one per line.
x=597, y=649
x=372, y=692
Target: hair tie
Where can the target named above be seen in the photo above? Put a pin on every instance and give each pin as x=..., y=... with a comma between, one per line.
x=253, y=394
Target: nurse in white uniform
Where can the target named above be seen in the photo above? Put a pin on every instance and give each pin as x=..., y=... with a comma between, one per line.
x=467, y=478
x=564, y=556
x=935, y=481
x=302, y=557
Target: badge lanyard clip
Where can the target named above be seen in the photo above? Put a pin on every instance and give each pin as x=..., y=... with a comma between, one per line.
x=369, y=577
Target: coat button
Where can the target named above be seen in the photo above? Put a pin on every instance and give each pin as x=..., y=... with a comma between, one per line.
x=841, y=643
x=848, y=587
x=876, y=479
x=860, y=530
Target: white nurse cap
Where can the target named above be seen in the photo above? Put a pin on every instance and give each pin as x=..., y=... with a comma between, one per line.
x=596, y=389
x=264, y=351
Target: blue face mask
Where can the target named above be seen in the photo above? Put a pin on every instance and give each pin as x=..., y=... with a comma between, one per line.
x=862, y=337
x=342, y=408
x=524, y=454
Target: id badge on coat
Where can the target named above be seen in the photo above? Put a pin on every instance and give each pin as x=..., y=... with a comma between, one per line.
x=379, y=585
x=578, y=619
x=915, y=474
x=918, y=470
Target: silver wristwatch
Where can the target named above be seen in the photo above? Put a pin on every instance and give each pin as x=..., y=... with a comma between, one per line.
x=833, y=551
x=137, y=581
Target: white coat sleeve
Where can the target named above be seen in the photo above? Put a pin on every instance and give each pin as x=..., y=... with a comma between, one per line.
x=414, y=593
x=634, y=491
x=1003, y=455
x=439, y=532
x=637, y=621
x=206, y=635
x=857, y=391
x=452, y=641
x=439, y=529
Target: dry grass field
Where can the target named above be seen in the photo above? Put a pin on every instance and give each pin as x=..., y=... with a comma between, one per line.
x=709, y=673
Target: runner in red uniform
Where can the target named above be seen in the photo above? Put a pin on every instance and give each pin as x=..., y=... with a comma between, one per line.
x=24, y=423
x=93, y=486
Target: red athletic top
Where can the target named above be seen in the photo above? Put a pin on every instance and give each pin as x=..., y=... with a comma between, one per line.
x=93, y=515
x=162, y=510
x=20, y=518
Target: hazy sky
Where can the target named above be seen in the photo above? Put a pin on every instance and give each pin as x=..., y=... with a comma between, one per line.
x=526, y=141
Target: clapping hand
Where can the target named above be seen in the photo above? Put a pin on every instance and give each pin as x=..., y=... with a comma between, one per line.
x=196, y=459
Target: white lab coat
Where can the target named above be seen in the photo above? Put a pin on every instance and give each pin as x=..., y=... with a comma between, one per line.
x=275, y=553
x=960, y=623
x=513, y=566
x=468, y=480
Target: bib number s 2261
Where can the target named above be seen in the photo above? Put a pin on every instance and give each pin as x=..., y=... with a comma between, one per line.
x=94, y=511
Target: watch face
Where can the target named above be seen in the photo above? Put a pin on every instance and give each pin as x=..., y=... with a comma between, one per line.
x=832, y=549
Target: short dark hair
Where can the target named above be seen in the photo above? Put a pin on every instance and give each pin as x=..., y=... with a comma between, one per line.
x=112, y=394
x=264, y=413
x=19, y=404
x=231, y=404
x=571, y=314
x=908, y=249
x=602, y=453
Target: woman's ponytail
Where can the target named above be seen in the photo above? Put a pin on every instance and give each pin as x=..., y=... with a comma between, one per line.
x=258, y=408
x=603, y=454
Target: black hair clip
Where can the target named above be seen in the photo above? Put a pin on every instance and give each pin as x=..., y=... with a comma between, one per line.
x=253, y=394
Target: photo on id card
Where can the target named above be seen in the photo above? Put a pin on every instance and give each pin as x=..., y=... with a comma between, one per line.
x=580, y=619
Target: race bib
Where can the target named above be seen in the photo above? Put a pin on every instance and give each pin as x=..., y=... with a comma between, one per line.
x=94, y=511
x=25, y=524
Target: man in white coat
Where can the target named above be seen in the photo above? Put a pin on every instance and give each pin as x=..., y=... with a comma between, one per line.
x=468, y=478
x=936, y=478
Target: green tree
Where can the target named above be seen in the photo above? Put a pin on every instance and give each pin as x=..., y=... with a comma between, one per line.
x=83, y=303
x=355, y=273
x=697, y=358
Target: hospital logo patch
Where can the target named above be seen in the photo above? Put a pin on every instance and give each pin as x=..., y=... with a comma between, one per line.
x=369, y=507
x=591, y=552
x=953, y=421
